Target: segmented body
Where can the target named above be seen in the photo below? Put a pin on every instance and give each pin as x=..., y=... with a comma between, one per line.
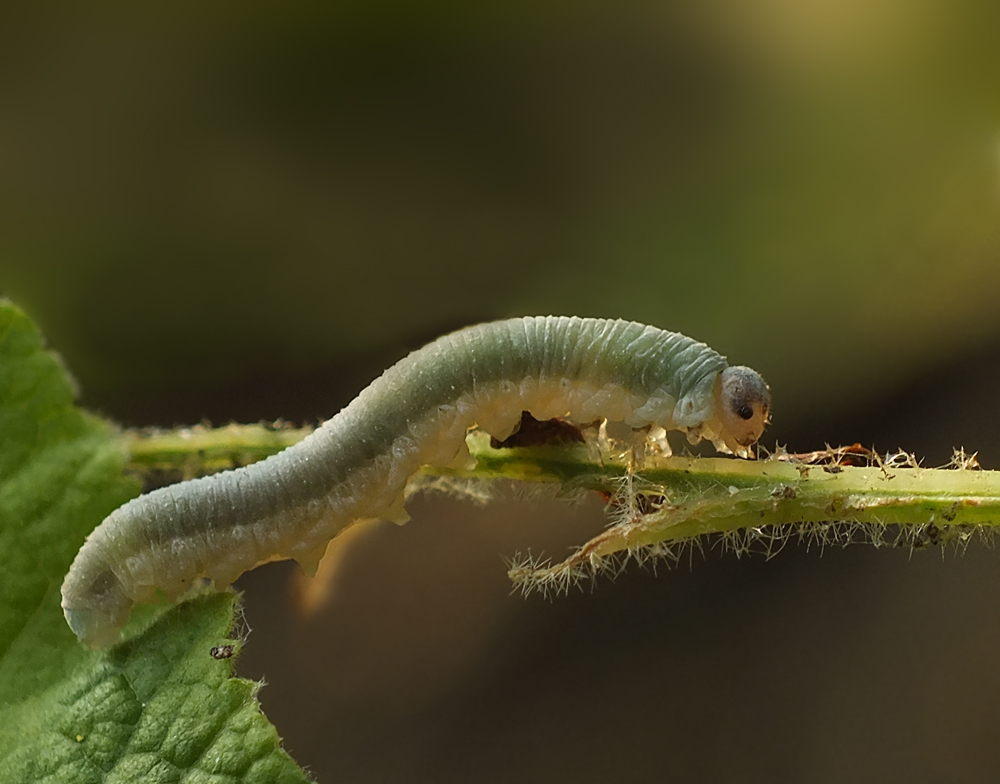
x=417, y=413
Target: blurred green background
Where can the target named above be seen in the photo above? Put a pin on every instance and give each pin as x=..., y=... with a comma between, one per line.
x=244, y=212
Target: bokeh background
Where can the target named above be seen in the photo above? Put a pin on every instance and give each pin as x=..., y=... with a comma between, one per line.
x=245, y=212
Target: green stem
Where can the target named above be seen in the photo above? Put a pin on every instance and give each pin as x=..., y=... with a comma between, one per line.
x=671, y=500
x=199, y=450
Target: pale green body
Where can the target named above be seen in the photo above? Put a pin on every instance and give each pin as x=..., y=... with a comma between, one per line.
x=357, y=464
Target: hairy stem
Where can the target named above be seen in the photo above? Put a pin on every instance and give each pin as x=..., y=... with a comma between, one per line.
x=199, y=450
x=670, y=501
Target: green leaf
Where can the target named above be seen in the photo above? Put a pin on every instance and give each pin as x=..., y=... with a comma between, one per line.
x=156, y=708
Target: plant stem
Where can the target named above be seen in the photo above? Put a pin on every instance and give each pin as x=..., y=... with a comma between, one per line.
x=199, y=450
x=670, y=500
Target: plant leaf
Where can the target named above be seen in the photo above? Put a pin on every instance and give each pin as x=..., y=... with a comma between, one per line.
x=156, y=708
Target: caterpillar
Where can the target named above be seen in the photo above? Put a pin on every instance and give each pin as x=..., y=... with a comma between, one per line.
x=418, y=412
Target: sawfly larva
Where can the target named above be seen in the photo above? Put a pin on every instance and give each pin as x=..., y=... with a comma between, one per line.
x=418, y=412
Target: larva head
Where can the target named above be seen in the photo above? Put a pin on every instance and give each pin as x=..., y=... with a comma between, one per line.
x=95, y=605
x=743, y=404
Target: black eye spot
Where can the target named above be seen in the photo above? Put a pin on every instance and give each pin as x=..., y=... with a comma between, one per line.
x=744, y=412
